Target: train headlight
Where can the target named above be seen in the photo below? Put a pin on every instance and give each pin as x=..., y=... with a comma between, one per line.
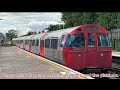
x=101, y=54
x=79, y=55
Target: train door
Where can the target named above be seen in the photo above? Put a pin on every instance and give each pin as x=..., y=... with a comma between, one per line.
x=91, y=49
x=42, y=47
x=74, y=51
x=42, y=40
x=60, y=52
x=30, y=49
x=104, y=51
x=37, y=46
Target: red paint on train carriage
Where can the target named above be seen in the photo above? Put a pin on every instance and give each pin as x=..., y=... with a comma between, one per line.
x=30, y=47
x=89, y=56
x=42, y=48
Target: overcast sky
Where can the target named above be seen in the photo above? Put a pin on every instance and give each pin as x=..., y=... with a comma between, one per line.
x=30, y=21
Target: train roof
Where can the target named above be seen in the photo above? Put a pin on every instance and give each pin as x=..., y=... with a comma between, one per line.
x=21, y=38
x=57, y=33
x=38, y=36
x=29, y=37
x=61, y=32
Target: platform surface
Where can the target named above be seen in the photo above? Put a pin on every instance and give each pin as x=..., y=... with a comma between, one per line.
x=116, y=54
x=16, y=63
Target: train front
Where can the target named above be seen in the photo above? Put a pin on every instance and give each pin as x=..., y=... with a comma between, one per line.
x=88, y=47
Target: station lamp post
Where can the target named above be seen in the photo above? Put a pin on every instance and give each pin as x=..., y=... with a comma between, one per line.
x=1, y=39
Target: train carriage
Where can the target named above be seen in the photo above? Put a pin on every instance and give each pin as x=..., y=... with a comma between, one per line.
x=54, y=45
x=85, y=46
x=42, y=45
x=36, y=43
x=14, y=41
x=21, y=42
x=17, y=42
x=82, y=47
x=28, y=43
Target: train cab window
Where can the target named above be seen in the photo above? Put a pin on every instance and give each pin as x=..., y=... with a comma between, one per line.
x=76, y=41
x=47, y=43
x=103, y=40
x=37, y=42
x=33, y=42
x=91, y=40
x=54, y=43
x=62, y=41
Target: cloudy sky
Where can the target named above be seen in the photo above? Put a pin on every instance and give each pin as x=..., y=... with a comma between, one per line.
x=23, y=22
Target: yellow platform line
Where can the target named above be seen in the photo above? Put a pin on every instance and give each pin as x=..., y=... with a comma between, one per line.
x=38, y=57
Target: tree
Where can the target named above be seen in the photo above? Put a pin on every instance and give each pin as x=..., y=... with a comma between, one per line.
x=11, y=34
x=118, y=20
x=79, y=18
x=89, y=18
x=108, y=20
x=29, y=33
x=2, y=36
x=54, y=27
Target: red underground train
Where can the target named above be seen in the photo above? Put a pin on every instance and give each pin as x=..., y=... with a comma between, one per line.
x=82, y=47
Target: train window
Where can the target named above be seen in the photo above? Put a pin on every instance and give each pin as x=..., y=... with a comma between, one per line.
x=41, y=43
x=47, y=43
x=21, y=41
x=62, y=41
x=76, y=40
x=103, y=40
x=33, y=42
x=37, y=42
x=28, y=42
x=91, y=40
x=25, y=42
x=54, y=43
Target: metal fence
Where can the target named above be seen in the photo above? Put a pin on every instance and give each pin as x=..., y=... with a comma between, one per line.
x=115, y=39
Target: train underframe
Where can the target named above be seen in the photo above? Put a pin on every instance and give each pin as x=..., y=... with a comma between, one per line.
x=94, y=70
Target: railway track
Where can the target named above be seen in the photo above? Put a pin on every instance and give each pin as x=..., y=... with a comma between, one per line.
x=115, y=73
x=115, y=67
x=116, y=59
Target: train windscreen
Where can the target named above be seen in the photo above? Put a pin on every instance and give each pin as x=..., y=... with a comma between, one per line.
x=103, y=40
x=75, y=41
x=91, y=40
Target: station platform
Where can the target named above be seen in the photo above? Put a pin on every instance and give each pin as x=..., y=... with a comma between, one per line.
x=116, y=54
x=16, y=63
